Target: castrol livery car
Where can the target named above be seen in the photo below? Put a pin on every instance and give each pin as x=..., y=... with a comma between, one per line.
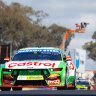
x=37, y=66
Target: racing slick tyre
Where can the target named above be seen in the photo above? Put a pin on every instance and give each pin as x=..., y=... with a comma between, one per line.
x=5, y=88
x=61, y=88
x=17, y=88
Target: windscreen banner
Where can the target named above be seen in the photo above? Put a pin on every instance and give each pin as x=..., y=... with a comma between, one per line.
x=80, y=60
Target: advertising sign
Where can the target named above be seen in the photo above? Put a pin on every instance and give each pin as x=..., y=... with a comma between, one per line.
x=80, y=60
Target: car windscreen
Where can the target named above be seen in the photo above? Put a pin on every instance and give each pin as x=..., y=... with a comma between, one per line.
x=83, y=83
x=37, y=56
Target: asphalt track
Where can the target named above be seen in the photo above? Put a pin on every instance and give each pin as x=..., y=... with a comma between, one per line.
x=49, y=93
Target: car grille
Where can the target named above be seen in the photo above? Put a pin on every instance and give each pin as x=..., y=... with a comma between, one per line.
x=30, y=72
x=44, y=72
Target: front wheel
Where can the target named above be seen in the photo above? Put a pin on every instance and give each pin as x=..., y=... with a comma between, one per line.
x=17, y=88
x=5, y=88
x=61, y=88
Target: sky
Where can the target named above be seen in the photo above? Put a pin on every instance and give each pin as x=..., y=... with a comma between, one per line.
x=67, y=13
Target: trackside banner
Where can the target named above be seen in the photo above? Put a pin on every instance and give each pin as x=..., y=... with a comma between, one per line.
x=32, y=65
x=80, y=60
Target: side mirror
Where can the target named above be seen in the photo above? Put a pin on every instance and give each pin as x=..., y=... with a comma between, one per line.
x=7, y=59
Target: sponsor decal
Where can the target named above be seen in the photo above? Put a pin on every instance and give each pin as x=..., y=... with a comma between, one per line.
x=30, y=77
x=23, y=65
x=71, y=66
x=53, y=82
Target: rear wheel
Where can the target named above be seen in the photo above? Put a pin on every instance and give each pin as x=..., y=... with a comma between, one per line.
x=5, y=88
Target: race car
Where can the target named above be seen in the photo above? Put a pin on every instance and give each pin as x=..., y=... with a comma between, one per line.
x=37, y=66
x=83, y=84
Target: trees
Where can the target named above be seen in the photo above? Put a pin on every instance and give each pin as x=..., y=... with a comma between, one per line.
x=20, y=26
x=91, y=47
x=94, y=36
x=58, y=32
x=17, y=25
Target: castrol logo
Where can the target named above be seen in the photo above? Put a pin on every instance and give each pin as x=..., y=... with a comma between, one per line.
x=32, y=64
